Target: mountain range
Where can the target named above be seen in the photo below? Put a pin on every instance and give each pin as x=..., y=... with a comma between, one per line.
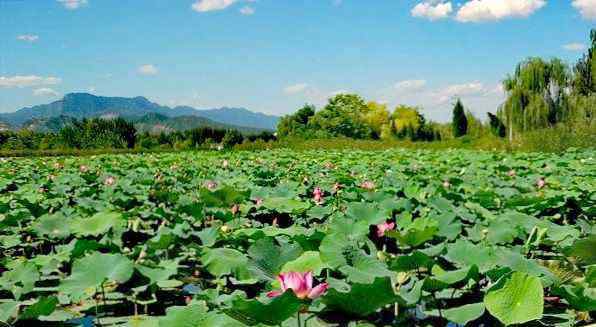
x=144, y=113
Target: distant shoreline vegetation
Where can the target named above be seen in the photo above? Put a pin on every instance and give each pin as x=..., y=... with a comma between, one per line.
x=549, y=107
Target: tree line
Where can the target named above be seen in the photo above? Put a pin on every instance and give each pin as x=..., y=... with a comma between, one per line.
x=348, y=115
x=540, y=94
x=118, y=133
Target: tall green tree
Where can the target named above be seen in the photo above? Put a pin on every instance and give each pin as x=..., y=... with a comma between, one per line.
x=296, y=124
x=496, y=125
x=459, y=122
x=536, y=95
x=342, y=116
x=584, y=82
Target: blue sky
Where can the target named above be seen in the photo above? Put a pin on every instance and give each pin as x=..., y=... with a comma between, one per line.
x=275, y=55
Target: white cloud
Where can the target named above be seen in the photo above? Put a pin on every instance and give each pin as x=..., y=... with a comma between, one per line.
x=574, y=47
x=460, y=90
x=28, y=38
x=432, y=10
x=148, y=70
x=27, y=81
x=296, y=88
x=587, y=8
x=45, y=91
x=211, y=5
x=410, y=85
x=338, y=92
x=73, y=4
x=247, y=11
x=493, y=10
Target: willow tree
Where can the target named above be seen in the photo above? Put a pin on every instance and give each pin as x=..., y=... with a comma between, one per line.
x=376, y=115
x=536, y=95
x=584, y=82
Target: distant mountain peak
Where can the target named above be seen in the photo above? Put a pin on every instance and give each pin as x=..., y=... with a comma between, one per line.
x=80, y=105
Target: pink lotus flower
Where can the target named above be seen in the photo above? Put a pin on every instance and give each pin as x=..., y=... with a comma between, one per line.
x=235, y=209
x=110, y=181
x=258, y=202
x=541, y=182
x=225, y=163
x=83, y=169
x=382, y=228
x=511, y=173
x=446, y=184
x=318, y=195
x=301, y=285
x=210, y=185
x=368, y=185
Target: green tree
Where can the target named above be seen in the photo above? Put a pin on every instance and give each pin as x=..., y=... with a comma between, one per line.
x=536, y=95
x=376, y=116
x=584, y=82
x=459, y=122
x=496, y=125
x=404, y=116
x=342, y=116
x=295, y=124
x=231, y=138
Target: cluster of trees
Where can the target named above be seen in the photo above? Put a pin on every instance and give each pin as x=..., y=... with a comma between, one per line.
x=540, y=94
x=543, y=93
x=348, y=115
x=98, y=133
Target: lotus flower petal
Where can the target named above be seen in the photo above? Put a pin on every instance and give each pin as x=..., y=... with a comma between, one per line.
x=274, y=294
x=318, y=291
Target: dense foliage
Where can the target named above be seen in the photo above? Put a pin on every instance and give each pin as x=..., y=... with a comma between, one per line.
x=393, y=237
x=118, y=133
x=348, y=115
x=542, y=94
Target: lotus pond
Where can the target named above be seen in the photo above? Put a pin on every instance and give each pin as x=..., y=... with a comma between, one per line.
x=288, y=238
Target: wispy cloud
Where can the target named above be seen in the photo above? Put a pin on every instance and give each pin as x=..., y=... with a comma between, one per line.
x=247, y=11
x=28, y=38
x=432, y=10
x=148, y=70
x=574, y=47
x=296, y=88
x=212, y=5
x=460, y=90
x=73, y=4
x=587, y=8
x=45, y=91
x=494, y=10
x=27, y=81
x=410, y=85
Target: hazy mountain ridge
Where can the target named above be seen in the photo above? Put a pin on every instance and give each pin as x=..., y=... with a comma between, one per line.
x=84, y=105
x=157, y=123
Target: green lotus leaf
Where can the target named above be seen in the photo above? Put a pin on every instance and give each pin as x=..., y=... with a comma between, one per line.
x=307, y=261
x=272, y=313
x=361, y=299
x=519, y=300
x=98, y=224
x=90, y=272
